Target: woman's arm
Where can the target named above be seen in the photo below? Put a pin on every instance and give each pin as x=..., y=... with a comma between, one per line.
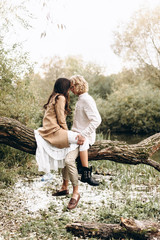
x=60, y=112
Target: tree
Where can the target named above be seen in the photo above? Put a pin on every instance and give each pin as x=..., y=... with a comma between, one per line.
x=138, y=42
x=14, y=134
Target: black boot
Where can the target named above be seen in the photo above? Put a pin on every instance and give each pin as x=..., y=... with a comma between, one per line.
x=87, y=177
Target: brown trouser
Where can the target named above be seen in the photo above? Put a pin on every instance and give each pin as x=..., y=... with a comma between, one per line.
x=69, y=172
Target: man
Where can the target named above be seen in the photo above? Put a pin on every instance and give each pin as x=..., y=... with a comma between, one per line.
x=86, y=120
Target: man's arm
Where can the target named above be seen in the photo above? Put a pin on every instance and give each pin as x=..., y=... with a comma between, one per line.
x=81, y=139
x=93, y=116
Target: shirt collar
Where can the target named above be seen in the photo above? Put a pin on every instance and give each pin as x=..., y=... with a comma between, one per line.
x=83, y=95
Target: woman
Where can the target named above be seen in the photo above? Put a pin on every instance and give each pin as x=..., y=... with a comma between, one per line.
x=56, y=145
x=54, y=128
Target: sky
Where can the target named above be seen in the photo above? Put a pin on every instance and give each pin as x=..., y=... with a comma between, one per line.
x=88, y=31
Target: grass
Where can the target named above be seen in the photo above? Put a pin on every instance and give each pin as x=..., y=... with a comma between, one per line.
x=134, y=192
x=125, y=191
x=46, y=227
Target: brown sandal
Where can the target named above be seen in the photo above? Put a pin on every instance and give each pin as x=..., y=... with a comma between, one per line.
x=61, y=193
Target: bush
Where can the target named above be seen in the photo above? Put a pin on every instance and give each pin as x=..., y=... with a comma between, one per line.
x=11, y=157
x=19, y=103
x=101, y=86
x=131, y=108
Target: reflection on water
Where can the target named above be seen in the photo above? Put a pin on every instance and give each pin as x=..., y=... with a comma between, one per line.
x=129, y=138
x=132, y=139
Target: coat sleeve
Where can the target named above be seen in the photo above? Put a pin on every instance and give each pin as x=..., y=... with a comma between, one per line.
x=60, y=112
x=93, y=116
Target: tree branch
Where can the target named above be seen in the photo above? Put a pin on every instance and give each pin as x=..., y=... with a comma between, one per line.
x=16, y=135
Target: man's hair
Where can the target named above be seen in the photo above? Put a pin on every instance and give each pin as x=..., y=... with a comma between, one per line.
x=79, y=83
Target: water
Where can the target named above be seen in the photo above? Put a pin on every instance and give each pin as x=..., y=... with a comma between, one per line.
x=133, y=139
x=129, y=138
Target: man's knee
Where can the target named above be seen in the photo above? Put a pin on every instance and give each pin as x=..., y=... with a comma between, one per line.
x=69, y=161
x=71, y=157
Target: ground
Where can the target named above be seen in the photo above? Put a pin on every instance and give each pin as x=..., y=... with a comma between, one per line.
x=29, y=211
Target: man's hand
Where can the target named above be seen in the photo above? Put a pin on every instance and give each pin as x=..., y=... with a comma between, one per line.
x=81, y=139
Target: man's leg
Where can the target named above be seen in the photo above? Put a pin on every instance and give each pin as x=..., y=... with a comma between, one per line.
x=73, y=175
x=84, y=158
x=72, y=170
x=86, y=172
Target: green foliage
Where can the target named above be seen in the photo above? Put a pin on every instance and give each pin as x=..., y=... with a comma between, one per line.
x=17, y=101
x=134, y=105
x=20, y=104
x=7, y=177
x=13, y=163
x=132, y=108
x=149, y=74
x=101, y=86
x=11, y=157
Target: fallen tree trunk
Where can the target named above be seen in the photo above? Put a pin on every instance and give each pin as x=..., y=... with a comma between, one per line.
x=142, y=230
x=18, y=136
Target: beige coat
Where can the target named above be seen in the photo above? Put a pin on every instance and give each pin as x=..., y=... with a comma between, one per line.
x=54, y=128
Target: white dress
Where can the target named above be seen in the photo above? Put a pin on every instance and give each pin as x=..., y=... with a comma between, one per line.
x=49, y=157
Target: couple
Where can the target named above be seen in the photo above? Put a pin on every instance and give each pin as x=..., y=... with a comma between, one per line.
x=58, y=147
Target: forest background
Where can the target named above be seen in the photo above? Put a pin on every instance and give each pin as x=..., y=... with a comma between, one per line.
x=127, y=101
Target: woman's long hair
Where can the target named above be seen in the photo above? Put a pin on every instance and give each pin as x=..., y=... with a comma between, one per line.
x=61, y=86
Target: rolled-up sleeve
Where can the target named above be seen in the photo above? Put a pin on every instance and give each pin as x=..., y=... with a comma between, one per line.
x=60, y=112
x=93, y=116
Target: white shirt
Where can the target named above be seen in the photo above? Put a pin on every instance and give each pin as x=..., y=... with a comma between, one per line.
x=86, y=117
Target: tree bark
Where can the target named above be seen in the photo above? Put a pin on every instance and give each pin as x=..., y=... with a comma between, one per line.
x=16, y=135
x=142, y=230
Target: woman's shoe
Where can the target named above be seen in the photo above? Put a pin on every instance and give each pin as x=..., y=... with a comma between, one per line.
x=73, y=202
x=61, y=193
x=47, y=177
